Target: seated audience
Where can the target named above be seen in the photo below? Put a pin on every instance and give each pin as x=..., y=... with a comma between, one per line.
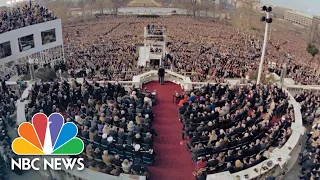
x=232, y=127
x=115, y=124
x=309, y=157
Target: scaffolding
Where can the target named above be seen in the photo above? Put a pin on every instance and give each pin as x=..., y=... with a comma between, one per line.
x=155, y=43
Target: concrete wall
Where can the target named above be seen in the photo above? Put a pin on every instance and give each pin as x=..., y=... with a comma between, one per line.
x=36, y=30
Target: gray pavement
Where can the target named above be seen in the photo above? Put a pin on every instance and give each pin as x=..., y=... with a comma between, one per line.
x=27, y=175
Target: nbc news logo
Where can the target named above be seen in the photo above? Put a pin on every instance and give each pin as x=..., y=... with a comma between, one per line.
x=47, y=136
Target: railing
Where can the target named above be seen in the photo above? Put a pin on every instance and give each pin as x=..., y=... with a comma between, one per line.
x=126, y=84
x=282, y=159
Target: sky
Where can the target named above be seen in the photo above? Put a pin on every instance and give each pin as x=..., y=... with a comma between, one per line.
x=3, y=2
x=308, y=6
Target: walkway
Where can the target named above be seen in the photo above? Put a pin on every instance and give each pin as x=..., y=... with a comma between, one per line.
x=173, y=161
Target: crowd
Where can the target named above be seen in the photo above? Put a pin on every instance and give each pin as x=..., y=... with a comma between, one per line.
x=8, y=98
x=197, y=48
x=234, y=128
x=309, y=158
x=228, y=128
x=106, y=48
x=109, y=47
x=115, y=125
x=23, y=16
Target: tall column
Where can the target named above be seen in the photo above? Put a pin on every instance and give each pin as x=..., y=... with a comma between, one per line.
x=145, y=44
x=31, y=68
x=164, y=43
x=283, y=72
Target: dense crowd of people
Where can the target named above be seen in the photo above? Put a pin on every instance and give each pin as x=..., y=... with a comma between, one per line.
x=26, y=15
x=200, y=49
x=309, y=157
x=229, y=128
x=115, y=125
x=106, y=47
x=234, y=128
x=8, y=97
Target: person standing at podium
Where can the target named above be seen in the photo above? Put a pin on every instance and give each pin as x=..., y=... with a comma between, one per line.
x=161, y=73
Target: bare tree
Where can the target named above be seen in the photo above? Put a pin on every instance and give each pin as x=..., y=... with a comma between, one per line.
x=206, y=6
x=191, y=5
x=91, y=5
x=60, y=8
x=317, y=36
x=82, y=6
x=178, y=3
x=313, y=30
x=245, y=17
x=116, y=4
x=101, y=5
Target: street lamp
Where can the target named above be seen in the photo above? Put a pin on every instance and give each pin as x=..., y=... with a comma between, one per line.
x=268, y=21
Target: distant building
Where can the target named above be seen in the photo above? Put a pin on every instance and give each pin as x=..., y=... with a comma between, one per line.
x=298, y=17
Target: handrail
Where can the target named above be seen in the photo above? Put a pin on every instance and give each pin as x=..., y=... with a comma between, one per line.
x=305, y=87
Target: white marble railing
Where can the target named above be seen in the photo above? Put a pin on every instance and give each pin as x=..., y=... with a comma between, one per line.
x=126, y=84
x=295, y=89
x=286, y=152
x=298, y=89
x=176, y=78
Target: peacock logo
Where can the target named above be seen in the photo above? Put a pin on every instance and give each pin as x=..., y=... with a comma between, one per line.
x=47, y=136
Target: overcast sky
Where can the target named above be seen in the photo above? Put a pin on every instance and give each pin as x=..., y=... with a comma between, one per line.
x=308, y=6
x=3, y=2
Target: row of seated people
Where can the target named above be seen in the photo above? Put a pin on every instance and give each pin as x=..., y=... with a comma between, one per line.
x=109, y=119
x=234, y=128
x=309, y=157
x=309, y=102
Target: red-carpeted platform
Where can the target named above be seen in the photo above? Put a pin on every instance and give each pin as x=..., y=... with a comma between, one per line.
x=173, y=161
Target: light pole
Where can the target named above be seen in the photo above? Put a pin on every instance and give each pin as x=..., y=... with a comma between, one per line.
x=268, y=21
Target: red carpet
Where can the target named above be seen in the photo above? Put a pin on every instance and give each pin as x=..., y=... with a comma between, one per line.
x=173, y=161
